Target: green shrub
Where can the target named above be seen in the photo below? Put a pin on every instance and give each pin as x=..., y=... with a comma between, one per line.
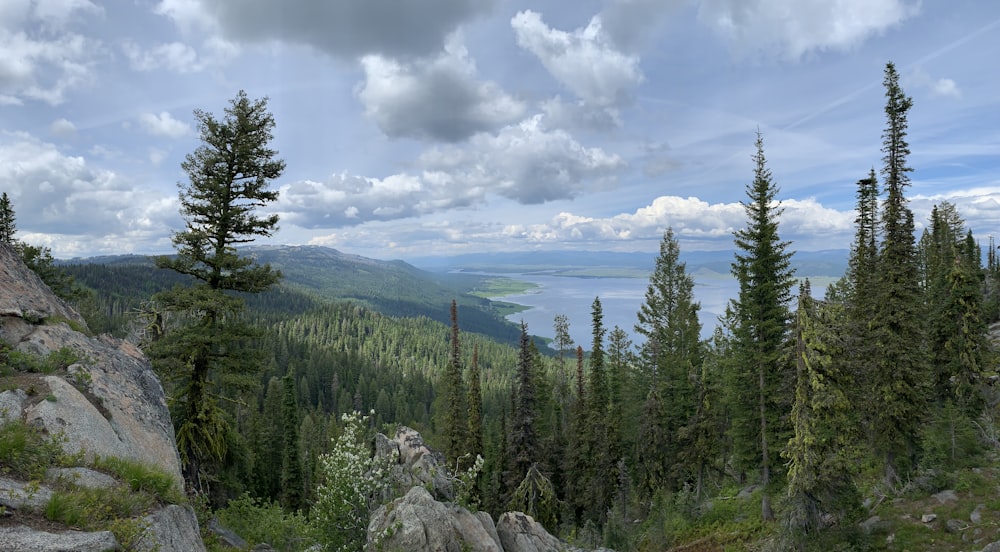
x=95, y=509
x=260, y=521
x=143, y=478
x=25, y=452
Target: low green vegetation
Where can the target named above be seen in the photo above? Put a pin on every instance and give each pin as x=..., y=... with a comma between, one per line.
x=27, y=454
x=12, y=360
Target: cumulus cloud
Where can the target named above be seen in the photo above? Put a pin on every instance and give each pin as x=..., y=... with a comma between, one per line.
x=344, y=200
x=792, y=28
x=42, y=59
x=628, y=22
x=579, y=115
x=522, y=162
x=43, y=67
x=698, y=225
x=585, y=60
x=526, y=163
x=59, y=195
x=164, y=125
x=62, y=128
x=437, y=97
x=179, y=57
x=938, y=87
x=341, y=29
x=692, y=219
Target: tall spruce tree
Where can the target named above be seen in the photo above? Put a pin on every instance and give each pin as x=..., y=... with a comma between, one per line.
x=600, y=487
x=522, y=443
x=8, y=226
x=475, y=410
x=212, y=352
x=292, y=477
x=456, y=422
x=672, y=353
x=899, y=368
x=762, y=268
x=820, y=472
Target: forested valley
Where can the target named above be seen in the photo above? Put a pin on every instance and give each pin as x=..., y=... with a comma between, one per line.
x=795, y=423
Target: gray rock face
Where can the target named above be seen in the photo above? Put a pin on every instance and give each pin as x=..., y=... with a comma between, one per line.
x=109, y=404
x=23, y=496
x=521, y=533
x=24, y=539
x=25, y=296
x=172, y=528
x=416, y=463
x=82, y=477
x=226, y=537
x=11, y=405
x=418, y=523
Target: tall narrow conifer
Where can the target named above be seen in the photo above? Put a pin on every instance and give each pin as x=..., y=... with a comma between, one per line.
x=762, y=268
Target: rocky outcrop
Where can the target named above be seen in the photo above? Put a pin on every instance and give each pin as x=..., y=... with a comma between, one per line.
x=520, y=533
x=424, y=519
x=171, y=528
x=108, y=403
x=415, y=463
x=418, y=523
x=23, y=539
x=24, y=296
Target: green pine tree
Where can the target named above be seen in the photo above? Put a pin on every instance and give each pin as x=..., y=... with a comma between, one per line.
x=456, y=422
x=762, y=268
x=672, y=354
x=211, y=353
x=292, y=479
x=8, y=226
x=522, y=443
x=819, y=455
x=898, y=378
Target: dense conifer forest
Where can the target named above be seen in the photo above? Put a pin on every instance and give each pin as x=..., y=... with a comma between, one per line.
x=797, y=420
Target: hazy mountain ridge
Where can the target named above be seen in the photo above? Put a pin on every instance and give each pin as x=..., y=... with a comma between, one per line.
x=832, y=263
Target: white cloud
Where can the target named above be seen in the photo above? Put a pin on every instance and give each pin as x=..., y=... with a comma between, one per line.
x=579, y=115
x=526, y=163
x=164, y=125
x=56, y=14
x=698, y=224
x=43, y=68
x=341, y=29
x=522, y=162
x=179, y=57
x=41, y=59
x=437, y=98
x=938, y=87
x=62, y=128
x=946, y=87
x=793, y=28
x=62, y=196
x=347, y=200
x=585, y=60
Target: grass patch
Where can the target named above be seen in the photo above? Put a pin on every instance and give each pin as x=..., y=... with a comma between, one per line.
x=95, y=509
x=73, y=324
x=501, y=286
x=12, y=360
x=26, y=453
x=260, y=521
x=142, y=478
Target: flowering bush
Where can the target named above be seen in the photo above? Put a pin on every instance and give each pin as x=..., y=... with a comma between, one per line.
x=351, y=483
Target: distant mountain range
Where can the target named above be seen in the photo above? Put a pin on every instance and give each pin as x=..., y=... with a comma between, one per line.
x=831, y=263
x=399, y=288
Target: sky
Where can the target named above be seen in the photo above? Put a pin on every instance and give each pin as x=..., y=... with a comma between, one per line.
x=439, y=127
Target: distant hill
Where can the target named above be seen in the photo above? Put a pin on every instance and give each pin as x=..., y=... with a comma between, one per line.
x=394, y=288
x=831, y=263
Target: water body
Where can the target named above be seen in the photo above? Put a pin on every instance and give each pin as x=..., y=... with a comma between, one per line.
x=620, y=300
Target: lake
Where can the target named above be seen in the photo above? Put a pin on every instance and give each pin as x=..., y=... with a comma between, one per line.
x=620, y=299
